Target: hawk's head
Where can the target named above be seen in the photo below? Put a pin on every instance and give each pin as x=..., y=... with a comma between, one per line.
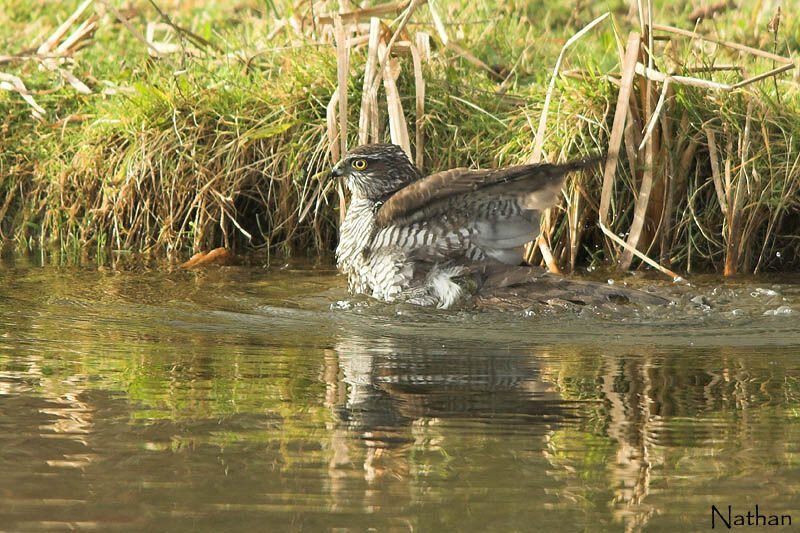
x=373, y=171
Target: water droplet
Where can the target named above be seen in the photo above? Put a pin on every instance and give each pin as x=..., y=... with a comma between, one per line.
x=782, y=310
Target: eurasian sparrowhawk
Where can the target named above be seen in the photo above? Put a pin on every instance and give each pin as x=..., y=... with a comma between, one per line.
x=434, y=240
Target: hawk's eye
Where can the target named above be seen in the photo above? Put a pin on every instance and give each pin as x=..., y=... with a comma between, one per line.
x=360, y=164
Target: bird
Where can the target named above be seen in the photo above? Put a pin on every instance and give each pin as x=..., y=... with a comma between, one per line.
x=437, y=240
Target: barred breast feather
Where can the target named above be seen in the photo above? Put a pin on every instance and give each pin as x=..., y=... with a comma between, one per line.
x=399, y=262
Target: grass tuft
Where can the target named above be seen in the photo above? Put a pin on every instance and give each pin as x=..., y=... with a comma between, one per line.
x=216, y=132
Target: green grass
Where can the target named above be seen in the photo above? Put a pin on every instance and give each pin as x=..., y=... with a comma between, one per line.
x=229, y=150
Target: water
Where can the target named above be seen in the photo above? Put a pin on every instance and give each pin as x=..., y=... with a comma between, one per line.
x=243, y=399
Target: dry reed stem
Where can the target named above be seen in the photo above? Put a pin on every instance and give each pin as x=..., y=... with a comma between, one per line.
x=728, y=151
x=655, y=75
x=398, y=130
x=374, y=117
x=437, y=23
x=419, y=94
x=369, y=74
x=226, y=200
x=649, y=50
x=354, y=42
x=643, y=198
x=70, y=78
x=333, y=148
x=610, y=234
x=46, y=47
x=296, y=25
x=728, y=44
x=51, y=45
x=333, y=131
x=547, y=254
x=423, y=42
x=769, y=74
x=86, y=28
x=575, y=226
x=667, y=207
x=715, y=174
x=656, y=114
x=632, y=135
x=342, y=65
x=640, y=208
x=280, y=24
x=9, y=82
x=687, y=156
x=617, y=129
x=647, y=142
x=384, y=55
x=77, y=84
x=735, y=219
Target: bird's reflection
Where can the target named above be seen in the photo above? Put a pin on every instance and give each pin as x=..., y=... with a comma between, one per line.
x=390, y=395
x=382, y=391
x=390, y=387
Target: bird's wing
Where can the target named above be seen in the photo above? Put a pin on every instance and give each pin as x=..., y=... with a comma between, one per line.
x=537, y=186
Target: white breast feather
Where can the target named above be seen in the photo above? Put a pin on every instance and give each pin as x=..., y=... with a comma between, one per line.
x=441, y=284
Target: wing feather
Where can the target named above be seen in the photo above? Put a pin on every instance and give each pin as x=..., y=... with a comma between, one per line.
x=537, y=185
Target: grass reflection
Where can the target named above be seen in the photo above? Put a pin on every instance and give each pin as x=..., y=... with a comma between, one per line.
x=176, y=411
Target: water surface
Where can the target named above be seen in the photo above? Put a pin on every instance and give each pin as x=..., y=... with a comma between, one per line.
x=247, y=399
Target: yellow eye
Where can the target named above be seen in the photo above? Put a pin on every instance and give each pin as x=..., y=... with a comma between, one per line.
x=360, y=164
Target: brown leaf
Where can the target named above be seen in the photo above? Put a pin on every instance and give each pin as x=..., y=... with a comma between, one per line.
x=217, y=256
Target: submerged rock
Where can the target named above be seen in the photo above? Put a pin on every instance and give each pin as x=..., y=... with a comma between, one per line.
x=522, y=287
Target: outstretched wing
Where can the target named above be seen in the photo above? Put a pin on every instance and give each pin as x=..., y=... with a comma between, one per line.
x=536, y=185
x=493, y=211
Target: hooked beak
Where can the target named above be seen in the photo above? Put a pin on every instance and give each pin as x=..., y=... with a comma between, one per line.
x=337, y=171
